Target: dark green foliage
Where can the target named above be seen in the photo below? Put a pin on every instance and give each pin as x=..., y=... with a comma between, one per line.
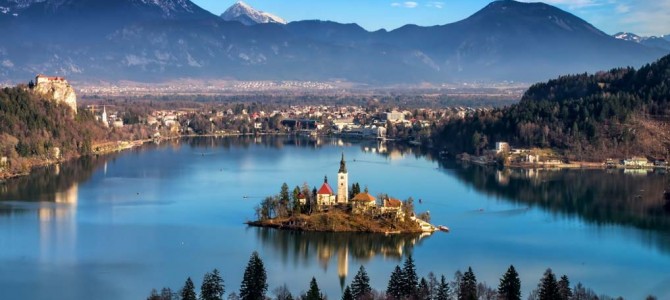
x=510, y=285
x=360, y=286
x=347, y=295
x=165, y=294
x=283, y=293
x=394, y=288
x=548, y=287
x=467, y=289
x=581, y=113
x=423, y=291
x=442, y=290
x=314, y=293
x=188, y=291
x=41, y=125
x=564, y=290
x=254, y=282
x=212, y=287
x=409, y=278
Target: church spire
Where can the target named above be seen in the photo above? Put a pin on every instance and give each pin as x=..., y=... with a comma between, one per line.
x=343, y=165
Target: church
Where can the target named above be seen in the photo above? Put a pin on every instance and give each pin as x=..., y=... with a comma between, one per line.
x=326, y=197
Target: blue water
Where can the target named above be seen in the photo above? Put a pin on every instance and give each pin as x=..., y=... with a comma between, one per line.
x=148, y=218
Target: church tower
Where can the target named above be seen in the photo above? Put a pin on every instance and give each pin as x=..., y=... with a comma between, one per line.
x=342, y=183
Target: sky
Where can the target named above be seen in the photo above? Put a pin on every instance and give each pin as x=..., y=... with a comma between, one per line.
x=644, y=17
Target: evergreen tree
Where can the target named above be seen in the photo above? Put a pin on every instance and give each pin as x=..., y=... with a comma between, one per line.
x=254, y=282
x=548, y=289
x=423, y=291
x=433, y=285
x=360, y=286
x=409, y=278
x=212, y=287
x=283, y=293
x=510, y=285
x=468, y=287
x=188, y=291
x=347, y=294
x=394, y=288
x=564, y=290
x=314, y=293
x=442, y=290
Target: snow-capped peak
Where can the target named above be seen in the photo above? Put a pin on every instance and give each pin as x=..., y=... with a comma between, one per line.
x=627, y=36
x=247, y=15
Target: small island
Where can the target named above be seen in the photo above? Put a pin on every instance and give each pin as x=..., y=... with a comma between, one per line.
x=350, y=210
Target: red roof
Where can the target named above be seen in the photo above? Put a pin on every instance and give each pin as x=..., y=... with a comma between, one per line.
x=325, y=190
x=364, y=197
x=390, y=202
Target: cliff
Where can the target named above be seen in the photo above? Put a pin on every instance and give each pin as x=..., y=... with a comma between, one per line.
x=57, y=89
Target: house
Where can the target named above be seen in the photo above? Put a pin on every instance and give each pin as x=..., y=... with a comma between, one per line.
x=610, y=163
x=636, y=162
x=502, y=147
x=661, y=163
x=363, y=202
x=325, y=195
x=302, y=199
x=393, y=207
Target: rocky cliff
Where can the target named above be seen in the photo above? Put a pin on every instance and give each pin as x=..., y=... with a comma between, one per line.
x=57, y=89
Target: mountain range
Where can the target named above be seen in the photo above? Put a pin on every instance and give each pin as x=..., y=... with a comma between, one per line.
x=662, y=42
x=161, y=40
x=247, y=15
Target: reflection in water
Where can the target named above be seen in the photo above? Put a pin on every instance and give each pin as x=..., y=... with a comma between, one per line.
x=300, y=247
x=603, y=197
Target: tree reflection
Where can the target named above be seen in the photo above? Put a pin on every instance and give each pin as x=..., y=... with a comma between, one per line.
x=299, y=247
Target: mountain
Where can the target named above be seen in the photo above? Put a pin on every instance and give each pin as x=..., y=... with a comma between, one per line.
x=160, y=40
x=247, y=15
x=662, y=42
x=618, y=113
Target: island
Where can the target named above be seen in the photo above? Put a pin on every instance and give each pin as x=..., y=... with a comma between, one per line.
x=350, y=210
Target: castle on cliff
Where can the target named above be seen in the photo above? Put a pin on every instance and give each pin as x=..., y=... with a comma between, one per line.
x=56, y=88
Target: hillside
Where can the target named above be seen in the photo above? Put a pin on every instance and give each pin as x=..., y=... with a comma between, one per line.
x=618, y=113
x=34, y=130
x=163, y=40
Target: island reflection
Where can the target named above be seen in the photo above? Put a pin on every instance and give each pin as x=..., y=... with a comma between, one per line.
x=305, y=248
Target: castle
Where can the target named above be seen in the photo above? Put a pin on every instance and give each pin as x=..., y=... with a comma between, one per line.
x=56, y=88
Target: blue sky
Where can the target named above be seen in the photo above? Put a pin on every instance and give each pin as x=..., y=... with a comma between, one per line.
x=645, y=17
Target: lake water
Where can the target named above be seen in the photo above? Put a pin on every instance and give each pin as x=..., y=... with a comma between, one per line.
x=115, y=227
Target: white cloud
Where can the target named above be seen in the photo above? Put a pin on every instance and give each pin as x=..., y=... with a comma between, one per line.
x=648, y=17
x=406, y=4
x=435, y=4
x=572, y=4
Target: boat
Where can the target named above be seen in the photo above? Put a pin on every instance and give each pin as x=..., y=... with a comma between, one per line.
x=443, y=228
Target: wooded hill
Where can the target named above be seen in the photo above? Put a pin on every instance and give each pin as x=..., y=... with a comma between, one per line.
x=618, y=113
x=32, y=127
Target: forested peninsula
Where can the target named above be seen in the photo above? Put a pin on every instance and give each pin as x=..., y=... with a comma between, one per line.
x=618, y=113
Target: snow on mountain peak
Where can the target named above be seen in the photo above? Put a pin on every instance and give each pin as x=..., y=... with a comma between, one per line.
x=247, y=15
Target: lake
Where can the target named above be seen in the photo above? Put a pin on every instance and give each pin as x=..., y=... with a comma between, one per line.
x=116, y=226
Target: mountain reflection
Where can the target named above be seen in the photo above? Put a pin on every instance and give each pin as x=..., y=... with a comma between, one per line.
x=298, y=247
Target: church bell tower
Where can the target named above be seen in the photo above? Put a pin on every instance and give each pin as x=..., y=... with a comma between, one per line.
x=342, y=183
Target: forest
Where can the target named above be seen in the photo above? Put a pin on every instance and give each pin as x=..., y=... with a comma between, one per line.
x=404, y=284
x=616, y=113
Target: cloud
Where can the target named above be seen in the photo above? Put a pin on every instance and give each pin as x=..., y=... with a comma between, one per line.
x=648, y=17
x=571, y=4
x=435, y=4
x=406, y=4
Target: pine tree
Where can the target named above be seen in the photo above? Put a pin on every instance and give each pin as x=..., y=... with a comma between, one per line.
x=188, y=291
x=548, y=289
x=510, y=285
x=423, y=291
x=409, y=278
x=433, y=285
x=360, y=286
x=347, y=294
x=212, y=287
x=564, y=290
x=394, y=288
x=254, y=282
x=314, y=293
x=468, y=287
x=442, y=290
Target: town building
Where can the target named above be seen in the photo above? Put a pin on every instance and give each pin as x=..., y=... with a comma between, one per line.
x=325, y=196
